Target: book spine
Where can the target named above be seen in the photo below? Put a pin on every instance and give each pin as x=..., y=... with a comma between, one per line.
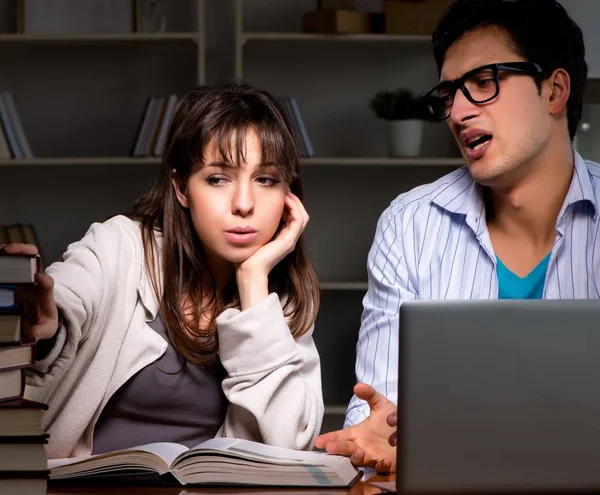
x=138, y=132
x=302, y=127
x=5, y=376
x=159, y=148
x=287, y=109
x=35, y=266
x=7, y=297
x=18, y=125
x=11, y=135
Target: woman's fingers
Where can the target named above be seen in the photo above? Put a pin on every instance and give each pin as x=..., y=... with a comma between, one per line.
x=300, y=207
x=295, y=222
x=18, y=248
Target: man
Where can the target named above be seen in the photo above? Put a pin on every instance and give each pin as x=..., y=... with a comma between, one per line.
x=519, y=221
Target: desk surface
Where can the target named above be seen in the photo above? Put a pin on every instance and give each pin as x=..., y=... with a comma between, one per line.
x=360, y=488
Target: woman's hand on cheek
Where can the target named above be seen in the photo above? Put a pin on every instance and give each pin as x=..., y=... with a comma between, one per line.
x=252, y=274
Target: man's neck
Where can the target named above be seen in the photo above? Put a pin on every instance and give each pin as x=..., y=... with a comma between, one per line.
x=529, y=209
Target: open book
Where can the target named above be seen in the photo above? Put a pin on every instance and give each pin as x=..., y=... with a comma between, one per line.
x=217, y=461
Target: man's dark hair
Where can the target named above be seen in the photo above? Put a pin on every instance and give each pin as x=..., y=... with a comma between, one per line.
x=541, y=30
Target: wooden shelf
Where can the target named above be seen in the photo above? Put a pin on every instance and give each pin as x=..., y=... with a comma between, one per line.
x=386, y=161
x=315, y=161
x=352, y=286
x=395, y=38
x=128, y=160
x=99, y=38
x=335, y=409
x=83, y=161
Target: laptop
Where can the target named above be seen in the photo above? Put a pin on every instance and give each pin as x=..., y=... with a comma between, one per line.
x=499, y=396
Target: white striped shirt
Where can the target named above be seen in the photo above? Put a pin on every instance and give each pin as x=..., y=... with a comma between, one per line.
x=432, y=243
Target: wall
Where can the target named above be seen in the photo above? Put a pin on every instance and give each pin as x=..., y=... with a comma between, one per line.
x=586, y=13
x=86, y=101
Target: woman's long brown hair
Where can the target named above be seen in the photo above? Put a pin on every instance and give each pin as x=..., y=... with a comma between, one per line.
x=223, y=113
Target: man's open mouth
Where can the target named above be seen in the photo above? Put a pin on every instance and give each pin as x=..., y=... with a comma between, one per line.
x=479, y=141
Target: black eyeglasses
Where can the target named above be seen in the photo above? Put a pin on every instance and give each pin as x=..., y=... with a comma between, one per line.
x=479, y=85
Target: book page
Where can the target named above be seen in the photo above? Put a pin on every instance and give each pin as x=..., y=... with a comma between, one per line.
x=260, y=452
x=164, y=450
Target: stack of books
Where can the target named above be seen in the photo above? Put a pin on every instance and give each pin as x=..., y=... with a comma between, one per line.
x=23, y=459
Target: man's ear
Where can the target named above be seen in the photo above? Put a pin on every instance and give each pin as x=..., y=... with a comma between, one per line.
x=560, y=89
x=180, y=189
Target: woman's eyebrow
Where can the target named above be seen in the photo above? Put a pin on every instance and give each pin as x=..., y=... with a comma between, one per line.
x=220, y=164
x=228, y=164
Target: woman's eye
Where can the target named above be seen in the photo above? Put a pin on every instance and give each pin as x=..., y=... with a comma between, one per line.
x=216, y=181
x=267, y=181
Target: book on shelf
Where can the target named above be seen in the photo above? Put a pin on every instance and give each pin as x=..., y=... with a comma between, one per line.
x=218, y=461
x=153, y=126
x=13, y=140
x=294, y=115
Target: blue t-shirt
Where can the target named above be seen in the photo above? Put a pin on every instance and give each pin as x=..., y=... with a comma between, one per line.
x=511, y=286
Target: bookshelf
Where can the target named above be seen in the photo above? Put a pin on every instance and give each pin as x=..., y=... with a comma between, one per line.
x=310, y=162
x=101, y=38
x=384, y=161
x=81, y=178
x=336, y=409
x=243, y=37
x=246, y=36
x=346, y=187
x=85, y=161
x=344, y=286
x=80, y=97
x=182, y=41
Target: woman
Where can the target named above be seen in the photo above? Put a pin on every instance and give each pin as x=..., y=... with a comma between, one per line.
x=192, y=316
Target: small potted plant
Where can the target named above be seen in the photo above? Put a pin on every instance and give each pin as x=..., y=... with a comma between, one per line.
x=405, y=113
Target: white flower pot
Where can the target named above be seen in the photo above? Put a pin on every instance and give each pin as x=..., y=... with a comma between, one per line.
x=404, y=137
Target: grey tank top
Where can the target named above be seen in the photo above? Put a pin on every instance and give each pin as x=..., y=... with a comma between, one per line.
x=160, y=405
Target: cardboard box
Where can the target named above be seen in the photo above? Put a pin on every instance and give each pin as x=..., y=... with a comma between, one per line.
x=335, y=21
x=413, y=17
x=336, y=5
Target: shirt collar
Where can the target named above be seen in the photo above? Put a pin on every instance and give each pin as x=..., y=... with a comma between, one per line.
x=464, y=196
x=581, y=188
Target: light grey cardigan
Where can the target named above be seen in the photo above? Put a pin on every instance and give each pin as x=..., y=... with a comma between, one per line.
x=273, y=381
